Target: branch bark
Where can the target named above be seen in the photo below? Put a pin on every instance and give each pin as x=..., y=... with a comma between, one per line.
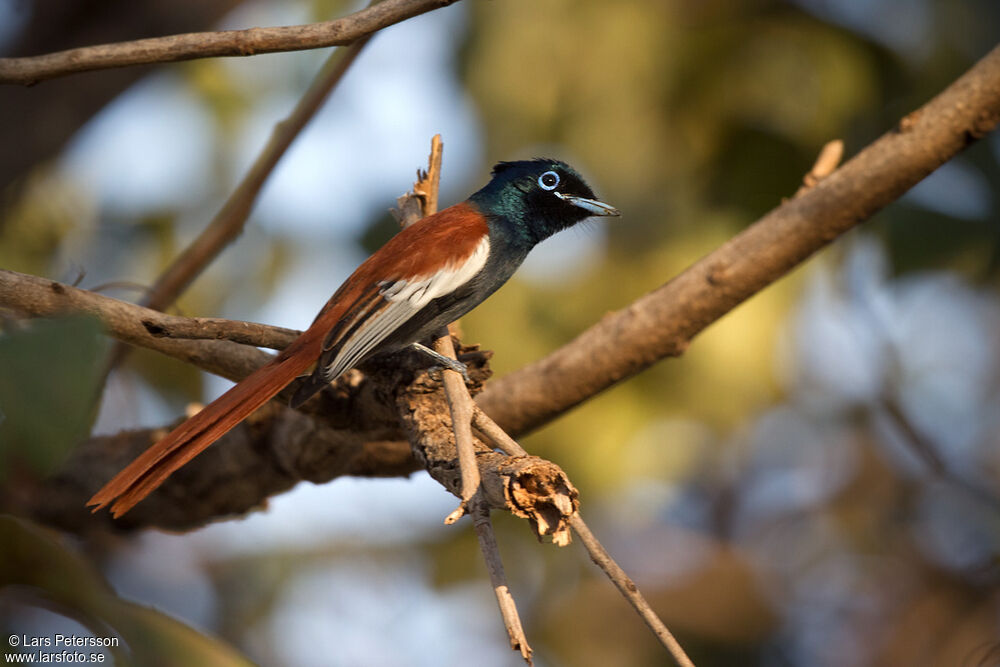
x=425, y=196
x=663, y=322
x=38, y=122
x=174, y=48
x=269, y=453
x=129, y=323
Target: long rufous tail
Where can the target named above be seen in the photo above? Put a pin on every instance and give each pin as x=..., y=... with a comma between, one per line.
x=190, y=438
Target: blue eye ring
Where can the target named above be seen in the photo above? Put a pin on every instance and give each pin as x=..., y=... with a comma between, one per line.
x=548, y=181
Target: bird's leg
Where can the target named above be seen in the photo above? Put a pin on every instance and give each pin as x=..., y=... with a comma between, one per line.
x=446, y=362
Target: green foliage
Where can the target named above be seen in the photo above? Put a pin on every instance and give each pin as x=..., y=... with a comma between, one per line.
x=39, y=219
x=693, y=118
x=49, y=380
x=62, y=580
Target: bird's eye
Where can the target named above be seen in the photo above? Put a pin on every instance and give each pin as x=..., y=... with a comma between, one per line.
x=548, y=181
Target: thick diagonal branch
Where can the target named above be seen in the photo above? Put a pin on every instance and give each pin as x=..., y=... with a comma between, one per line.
x=663, y=323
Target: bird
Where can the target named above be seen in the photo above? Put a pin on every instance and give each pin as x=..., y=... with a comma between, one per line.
x=426, y=276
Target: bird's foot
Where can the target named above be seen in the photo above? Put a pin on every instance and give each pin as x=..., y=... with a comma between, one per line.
x=443, y=361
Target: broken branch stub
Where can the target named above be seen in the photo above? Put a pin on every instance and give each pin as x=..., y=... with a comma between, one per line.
x=526, y=486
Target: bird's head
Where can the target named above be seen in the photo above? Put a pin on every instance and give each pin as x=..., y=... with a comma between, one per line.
x=540, y=197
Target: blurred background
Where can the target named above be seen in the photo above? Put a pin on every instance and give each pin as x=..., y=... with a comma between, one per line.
x=816, y=482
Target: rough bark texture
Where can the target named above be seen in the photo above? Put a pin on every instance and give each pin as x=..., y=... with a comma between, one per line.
x=274, y=449
x=527, y=486
x=659, y=324
x=40, y=297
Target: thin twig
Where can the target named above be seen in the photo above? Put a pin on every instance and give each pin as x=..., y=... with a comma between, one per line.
x=189, y=46
x=428, y=185
x=495, y=434
x=216, y=328
x=460, y=405
x=491, y=554
x=459, y=402
x=617, y=575
x=461, y=409
x=228, y=223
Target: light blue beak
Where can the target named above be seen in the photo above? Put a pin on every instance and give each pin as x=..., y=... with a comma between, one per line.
x=591, y=206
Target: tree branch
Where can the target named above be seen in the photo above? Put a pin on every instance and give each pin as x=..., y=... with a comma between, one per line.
x=215, y=328
x=174, y=48
x=129, y=323
x=460, y=408
x=629, y=590
x=228, y=223
x=494, y=566
x=663, y=323
x=269, y=453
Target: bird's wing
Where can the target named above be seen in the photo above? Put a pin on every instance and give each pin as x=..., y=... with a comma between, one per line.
x=382, y=311
x=427, y=260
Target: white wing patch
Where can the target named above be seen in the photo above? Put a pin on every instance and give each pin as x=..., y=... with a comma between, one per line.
x=404, y=299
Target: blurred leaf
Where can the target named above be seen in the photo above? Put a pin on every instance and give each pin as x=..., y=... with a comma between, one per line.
x=758, y=165
x=179, y=383
x=49, y=386
x=33, y=557
x=325, y=10
x=920, y=239
x=378, y=231
x=38, y=216
x=211, y=80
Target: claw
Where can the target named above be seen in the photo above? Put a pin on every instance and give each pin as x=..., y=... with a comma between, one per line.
x=458, y=367
x=443, y=361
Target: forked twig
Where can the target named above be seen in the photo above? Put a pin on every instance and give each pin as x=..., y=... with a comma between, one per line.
x=597, y=552
x=462, y=408
x=459, y=402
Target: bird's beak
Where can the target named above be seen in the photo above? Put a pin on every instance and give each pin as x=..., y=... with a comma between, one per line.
x=592, y=206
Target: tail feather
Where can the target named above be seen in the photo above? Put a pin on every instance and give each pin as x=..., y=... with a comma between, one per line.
x=190, y=438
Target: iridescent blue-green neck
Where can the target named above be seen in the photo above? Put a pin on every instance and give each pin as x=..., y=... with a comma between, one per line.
x=523, y=212
x=507, y=211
